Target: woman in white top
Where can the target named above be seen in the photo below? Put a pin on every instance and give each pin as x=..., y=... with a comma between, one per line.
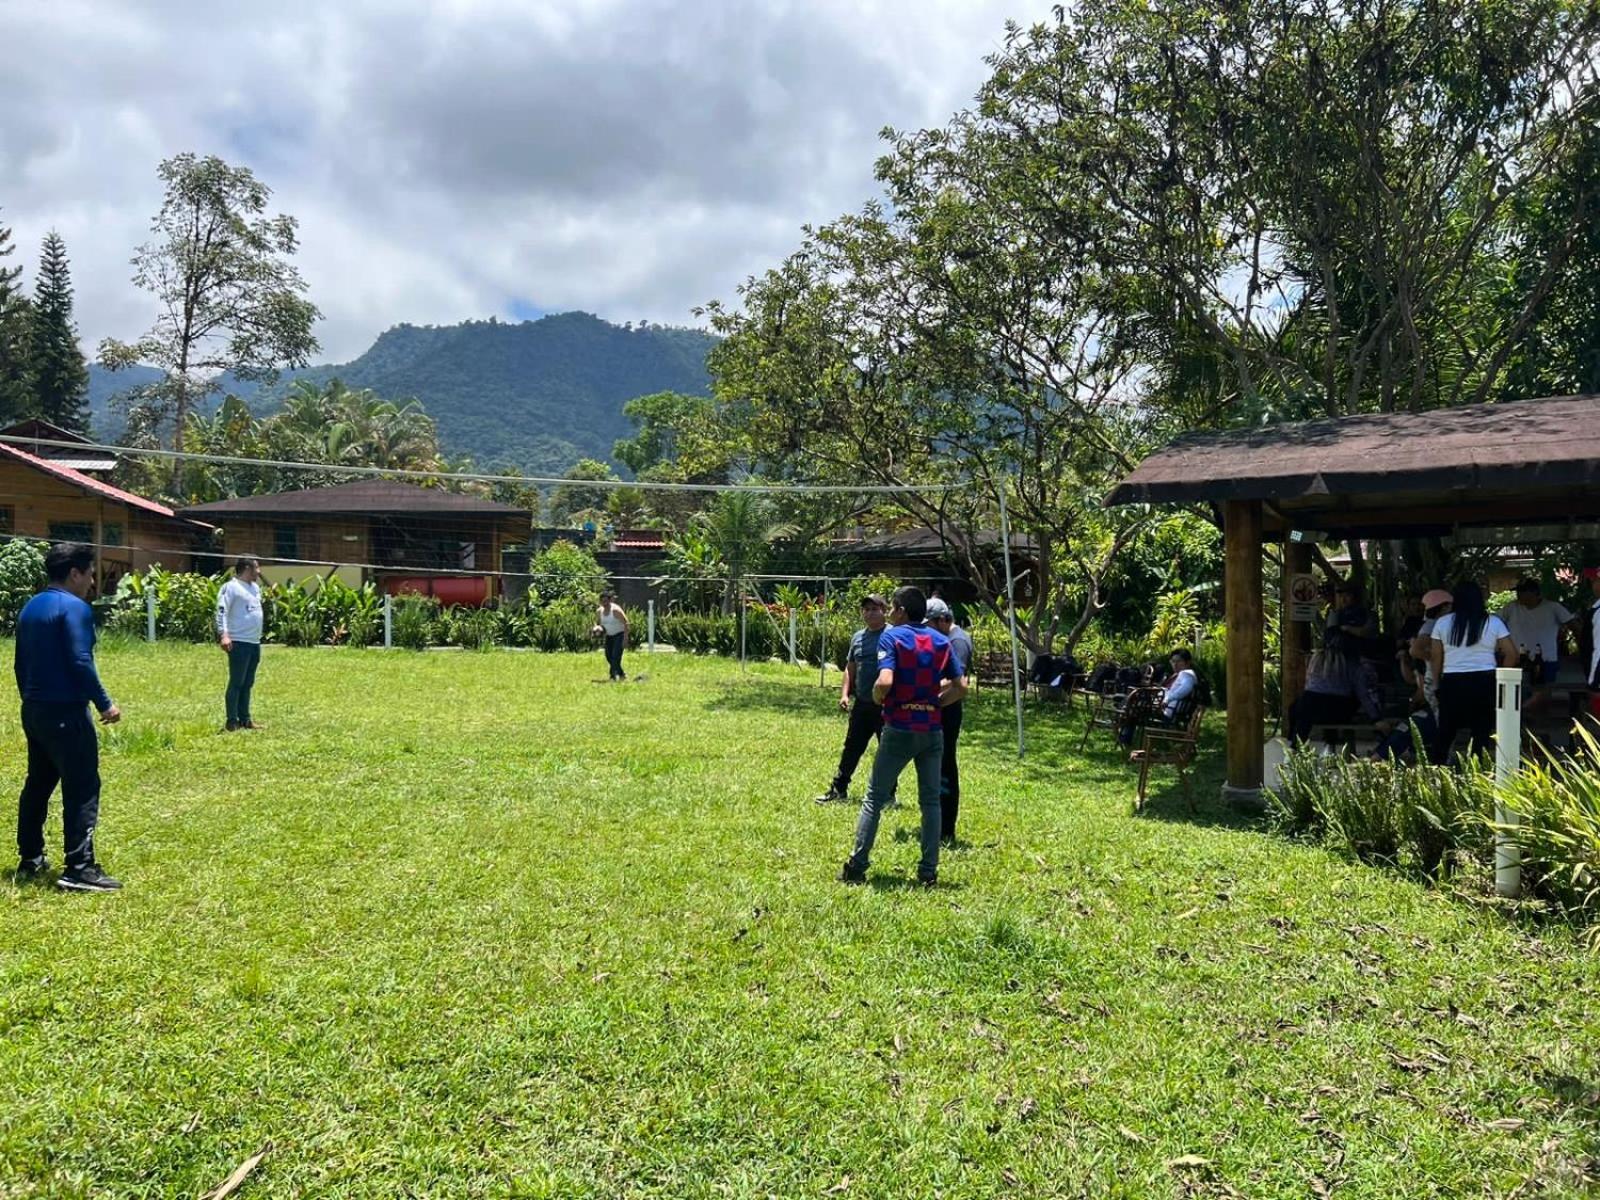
x=613, y=622
x=1467, y=644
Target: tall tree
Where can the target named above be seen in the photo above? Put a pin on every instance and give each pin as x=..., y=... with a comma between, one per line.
x=16, y=386
x=60, y=378
x=572, y=503
x=230, y=300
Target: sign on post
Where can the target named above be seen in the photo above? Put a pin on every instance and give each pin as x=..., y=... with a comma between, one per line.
x=1303, y=598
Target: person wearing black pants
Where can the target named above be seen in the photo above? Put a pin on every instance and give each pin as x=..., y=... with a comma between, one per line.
x=1466, y=645
x=943, y=618
x=611, y=620
x=57, y=680
x=855, y=698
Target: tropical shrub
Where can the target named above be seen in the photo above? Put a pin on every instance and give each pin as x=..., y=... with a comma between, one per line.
x=1383, y=812
x=564, y=625
x=567, y=572
x=21, y=577
x=415, y=621
x=1558, y=827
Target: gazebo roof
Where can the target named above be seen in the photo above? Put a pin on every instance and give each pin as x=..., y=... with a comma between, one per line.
x=1393, y=473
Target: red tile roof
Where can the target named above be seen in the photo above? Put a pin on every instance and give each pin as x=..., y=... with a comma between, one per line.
x=90, y=484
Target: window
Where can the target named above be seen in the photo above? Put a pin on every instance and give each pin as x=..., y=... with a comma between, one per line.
x=71, y=531
x=286, y=541
x=112, y=534
x=8, y=518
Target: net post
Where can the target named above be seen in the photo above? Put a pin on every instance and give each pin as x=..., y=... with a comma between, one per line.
x=1011, y=613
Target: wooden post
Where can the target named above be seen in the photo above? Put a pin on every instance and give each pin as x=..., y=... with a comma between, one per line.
x=1241, y=526
x=1294, y=636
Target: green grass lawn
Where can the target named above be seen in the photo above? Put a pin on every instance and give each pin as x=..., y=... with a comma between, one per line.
x=477, y=925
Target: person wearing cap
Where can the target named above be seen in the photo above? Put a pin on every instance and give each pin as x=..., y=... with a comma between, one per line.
x=1436, y=602
x=943, y=619
x=612, y=622
x=1536, y=625
x=918, y=678
x=855, y=697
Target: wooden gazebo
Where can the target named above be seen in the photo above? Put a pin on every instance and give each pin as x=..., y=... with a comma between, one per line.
x=1517, y=474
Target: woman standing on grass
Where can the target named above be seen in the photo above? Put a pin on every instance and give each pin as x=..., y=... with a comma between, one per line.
x=613, y=623
x=1465, y=645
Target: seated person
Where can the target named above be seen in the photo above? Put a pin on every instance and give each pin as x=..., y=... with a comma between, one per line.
x=1177, y=696
x=1338, y=684
x=1182, y=684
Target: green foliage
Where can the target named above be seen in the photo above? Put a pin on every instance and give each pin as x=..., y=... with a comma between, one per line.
x=16, y=324
x=1383, y=812
x=566, y=571
x=538, y=395
x=571, y=504
x=60, y=377
x=1558, y=808
x=564, y=624
x=220, y=273
x=21, y=577
x=415, y=622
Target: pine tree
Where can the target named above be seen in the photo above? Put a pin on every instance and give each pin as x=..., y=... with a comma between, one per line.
x=16, y=388
x=60, y=377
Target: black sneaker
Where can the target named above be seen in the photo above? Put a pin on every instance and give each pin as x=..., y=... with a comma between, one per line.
x=927, y=881
x=31, y=869
x=849, y=874
x=832, y=796
x=87, y=879
x=230, y=727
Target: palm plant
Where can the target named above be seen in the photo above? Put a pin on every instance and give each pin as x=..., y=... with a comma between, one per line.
x=741, y=527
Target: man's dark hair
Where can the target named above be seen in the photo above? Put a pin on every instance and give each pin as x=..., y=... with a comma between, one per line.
x=244, y=564
x=65, y=557
x=1183, y=656
x=1529, y=585
x=912, y=602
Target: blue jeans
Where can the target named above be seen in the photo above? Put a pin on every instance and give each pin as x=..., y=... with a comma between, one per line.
x=242, y=662
x=896, y=748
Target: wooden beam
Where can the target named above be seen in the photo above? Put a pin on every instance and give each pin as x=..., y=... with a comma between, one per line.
x=1294, y=636
x=1241, y=528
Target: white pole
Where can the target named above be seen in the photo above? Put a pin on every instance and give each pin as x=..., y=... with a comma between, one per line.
x=388, y=621
x=1011, y=612
x=149, y=610
x=650, y=626
x=1507, y=761
x=740, y=593
x=794, y=638
x=822, y=638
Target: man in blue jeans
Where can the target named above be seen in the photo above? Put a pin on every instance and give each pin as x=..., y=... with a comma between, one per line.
x=239, y=629
x=58, y=681
x=918, y=676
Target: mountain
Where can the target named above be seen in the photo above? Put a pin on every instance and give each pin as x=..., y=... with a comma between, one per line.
x=537, y=395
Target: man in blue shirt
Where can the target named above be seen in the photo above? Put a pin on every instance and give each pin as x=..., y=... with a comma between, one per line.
x=58, y=681
x=918, y=676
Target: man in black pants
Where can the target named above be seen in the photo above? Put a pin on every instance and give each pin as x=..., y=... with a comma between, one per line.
x=866, y=717
x=943, y=618
x=57, y=679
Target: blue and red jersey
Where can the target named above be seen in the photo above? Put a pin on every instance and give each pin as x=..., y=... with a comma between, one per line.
x=921, y=659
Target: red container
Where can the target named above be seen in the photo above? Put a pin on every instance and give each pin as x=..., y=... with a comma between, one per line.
x=470, y=591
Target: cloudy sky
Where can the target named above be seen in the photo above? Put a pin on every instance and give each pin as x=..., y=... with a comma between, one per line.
x=450, y=159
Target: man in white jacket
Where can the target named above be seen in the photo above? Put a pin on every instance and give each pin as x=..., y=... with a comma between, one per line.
x=239, y=625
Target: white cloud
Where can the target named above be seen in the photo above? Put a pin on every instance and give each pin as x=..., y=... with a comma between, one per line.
x=448, y=160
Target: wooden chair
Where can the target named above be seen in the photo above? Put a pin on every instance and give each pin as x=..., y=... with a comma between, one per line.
x=1118, y=713
x=1169, y=746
